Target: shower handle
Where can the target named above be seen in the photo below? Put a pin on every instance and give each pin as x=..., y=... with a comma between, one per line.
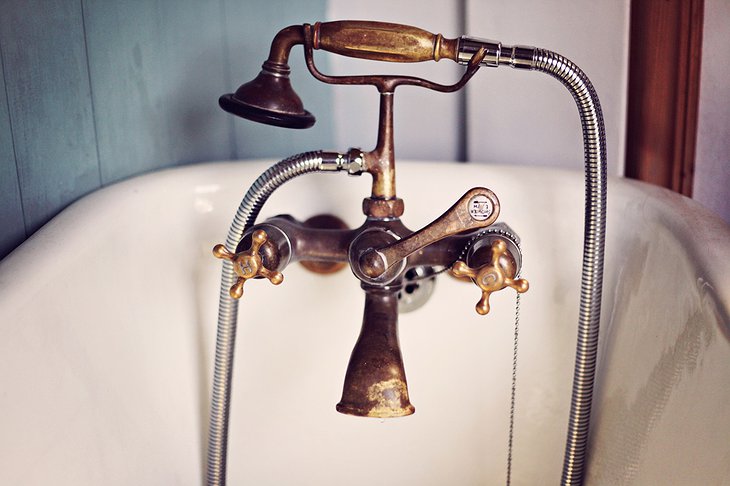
x=382, y=41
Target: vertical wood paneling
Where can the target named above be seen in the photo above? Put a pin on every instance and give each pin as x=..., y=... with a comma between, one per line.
x=49, y=102
x=12, y=228
x=98, y=91
x=250, y=27
x=157, y=69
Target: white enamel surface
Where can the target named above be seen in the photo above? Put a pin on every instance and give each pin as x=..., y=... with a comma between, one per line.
x=107, y=330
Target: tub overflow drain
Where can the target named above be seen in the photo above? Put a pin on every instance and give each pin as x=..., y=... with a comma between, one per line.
x=418, y=285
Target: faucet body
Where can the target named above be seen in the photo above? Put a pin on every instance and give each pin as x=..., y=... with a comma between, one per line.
x=380, y=253
x=383, y=249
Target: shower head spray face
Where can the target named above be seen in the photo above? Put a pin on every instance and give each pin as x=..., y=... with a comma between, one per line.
x=269, y=98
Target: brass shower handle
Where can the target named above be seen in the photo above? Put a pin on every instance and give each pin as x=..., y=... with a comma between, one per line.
x=248, y=264
x=478, y=208
x=492, y=277
x=382, y=41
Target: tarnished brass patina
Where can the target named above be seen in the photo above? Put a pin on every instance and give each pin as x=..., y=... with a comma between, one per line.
x=382, y=249
x=383, y=208
x=382, y=41
x=248, y=264
x=375, y=382
x=492, y=276
x=324, y=222
x=269, y=98
x=380, y=163
x=478, y=208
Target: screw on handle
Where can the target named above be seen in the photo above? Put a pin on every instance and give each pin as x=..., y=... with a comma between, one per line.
x=382, y=41
x=491, y=277
x=248, y=264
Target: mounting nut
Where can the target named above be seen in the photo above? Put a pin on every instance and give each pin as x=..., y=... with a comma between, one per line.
x=383, y=208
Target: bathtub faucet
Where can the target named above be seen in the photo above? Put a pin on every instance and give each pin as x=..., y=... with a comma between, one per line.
x=380, y=252
x=383, y=249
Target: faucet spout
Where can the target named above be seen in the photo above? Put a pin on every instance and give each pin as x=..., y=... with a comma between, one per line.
x=375, y=382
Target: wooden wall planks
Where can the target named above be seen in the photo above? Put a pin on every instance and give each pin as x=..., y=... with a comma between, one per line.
x=157, y=69
x=100, y=91
x=12, y=225
x=47, y=83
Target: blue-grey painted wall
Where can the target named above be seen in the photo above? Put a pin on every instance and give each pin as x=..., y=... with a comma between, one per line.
x=95, y=91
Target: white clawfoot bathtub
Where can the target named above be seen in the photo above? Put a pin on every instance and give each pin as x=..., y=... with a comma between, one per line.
x=107, y=331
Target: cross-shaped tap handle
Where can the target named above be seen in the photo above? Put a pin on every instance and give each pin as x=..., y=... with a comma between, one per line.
x=490, y=277
x=248, y=264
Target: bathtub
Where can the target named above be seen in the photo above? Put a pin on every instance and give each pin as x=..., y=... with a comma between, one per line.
x=107, y=334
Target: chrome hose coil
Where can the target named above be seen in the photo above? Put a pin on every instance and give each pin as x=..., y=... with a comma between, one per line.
x=594, y=147
x=245, y=218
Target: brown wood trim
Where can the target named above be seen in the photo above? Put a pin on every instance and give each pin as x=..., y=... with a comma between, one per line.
x=664, y=77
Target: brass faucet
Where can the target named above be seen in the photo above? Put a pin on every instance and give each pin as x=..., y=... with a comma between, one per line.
x=382, y=249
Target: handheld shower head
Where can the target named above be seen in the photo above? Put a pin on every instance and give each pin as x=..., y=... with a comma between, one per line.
x=269, y=98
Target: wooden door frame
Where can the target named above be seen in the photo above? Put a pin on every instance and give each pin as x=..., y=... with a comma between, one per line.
x=665, y=48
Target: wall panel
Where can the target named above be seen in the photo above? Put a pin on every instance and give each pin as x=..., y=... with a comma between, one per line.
x=529, y=118
x=12, y=227
x=99, y=91
x=49, y=101
x=156, y=70
x=712, y=168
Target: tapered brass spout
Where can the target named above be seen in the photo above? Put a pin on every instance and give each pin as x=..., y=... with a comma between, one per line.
x=375, y=382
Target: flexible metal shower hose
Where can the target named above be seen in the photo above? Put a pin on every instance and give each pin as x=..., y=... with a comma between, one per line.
x=594, y=147
x=245, y=218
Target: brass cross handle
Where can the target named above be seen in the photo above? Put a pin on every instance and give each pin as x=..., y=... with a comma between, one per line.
x=248, y=264
x=490, y=277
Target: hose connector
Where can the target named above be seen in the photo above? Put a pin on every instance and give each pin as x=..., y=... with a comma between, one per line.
x=497, y=54
x=353, y=162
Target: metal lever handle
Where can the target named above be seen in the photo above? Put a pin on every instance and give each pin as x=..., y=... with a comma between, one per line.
x=491, y=277
x=248, y=264
x=381, y=41
x=478, y=208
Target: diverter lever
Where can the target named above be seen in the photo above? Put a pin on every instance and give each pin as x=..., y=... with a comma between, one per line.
x=478, y=208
